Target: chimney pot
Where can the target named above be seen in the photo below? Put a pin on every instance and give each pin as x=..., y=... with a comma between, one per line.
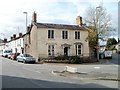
x=79, y=20
x=11, y=37
x=34, y=17
x=5, y=40
x=14, y=36
x=28, y=28
x=20, y=34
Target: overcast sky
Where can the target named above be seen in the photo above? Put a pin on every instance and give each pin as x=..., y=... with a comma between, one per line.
x=12, y=19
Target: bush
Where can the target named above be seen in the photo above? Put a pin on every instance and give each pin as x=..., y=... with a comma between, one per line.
x=61, y=57
x=70, y=59
x=74, y=59
x=89, y=60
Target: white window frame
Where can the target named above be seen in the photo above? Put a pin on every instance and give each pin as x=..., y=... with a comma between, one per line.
x=78, y=35
x=64, y=34
x=51, y=34
x=77, y=49
x=51, y=50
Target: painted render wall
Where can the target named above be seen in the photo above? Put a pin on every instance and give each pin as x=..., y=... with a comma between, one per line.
x=43, y=41
x=31, y=47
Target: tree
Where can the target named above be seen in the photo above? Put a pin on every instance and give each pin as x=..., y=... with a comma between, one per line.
x=110, y=43
x=98, y=22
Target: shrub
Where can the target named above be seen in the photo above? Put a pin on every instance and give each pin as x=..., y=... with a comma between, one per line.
x=74, y=59
x=61, y=57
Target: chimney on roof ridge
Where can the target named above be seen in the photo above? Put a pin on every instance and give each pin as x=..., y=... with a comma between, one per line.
x=34, y=17
x=11, y=37
x=14, y=36
x=79, y=20
x=20, y=34
x=5, y=40
x=28, y=28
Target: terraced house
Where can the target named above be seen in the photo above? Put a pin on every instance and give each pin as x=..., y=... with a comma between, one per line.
x=46, y=39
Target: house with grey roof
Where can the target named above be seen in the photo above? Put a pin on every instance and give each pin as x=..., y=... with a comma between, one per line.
x=44, y=40
x=1, y=41
x=16, y=43
x=2, y=45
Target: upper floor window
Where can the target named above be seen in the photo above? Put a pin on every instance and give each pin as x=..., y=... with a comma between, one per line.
x=77, y=34
x=64, y=34
x=50, y=34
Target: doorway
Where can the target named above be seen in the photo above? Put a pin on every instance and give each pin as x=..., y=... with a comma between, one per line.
x=66, y=51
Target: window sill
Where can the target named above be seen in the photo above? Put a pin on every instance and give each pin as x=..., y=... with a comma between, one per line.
x=65, y=39
x=77, y=39
x=51, y=39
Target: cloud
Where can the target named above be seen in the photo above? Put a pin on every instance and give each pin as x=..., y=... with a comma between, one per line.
x=49, y=11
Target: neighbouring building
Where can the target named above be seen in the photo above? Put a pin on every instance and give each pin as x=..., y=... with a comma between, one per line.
x=16, y=43
x=1, y=41
x=2, y=44
x=44, y=40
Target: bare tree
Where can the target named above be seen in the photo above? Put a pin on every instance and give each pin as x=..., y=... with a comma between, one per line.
x=98, y=22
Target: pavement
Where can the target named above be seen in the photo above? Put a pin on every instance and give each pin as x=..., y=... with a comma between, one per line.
x=108, y=72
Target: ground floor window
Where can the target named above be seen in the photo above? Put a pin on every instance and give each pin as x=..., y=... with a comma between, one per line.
x=50, y=50
x=78, y=49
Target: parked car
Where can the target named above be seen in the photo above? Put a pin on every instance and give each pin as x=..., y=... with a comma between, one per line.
x=105, y=54
x=9, y=56
x=25, y=58
x=14, y=56
x=6, y=52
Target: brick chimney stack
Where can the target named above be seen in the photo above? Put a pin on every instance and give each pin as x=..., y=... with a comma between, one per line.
x=5, y=40
x=79, y=21
x=11, y=37
x=28, y=28
x=34, y=17
x=20, y=34
x=14, y=36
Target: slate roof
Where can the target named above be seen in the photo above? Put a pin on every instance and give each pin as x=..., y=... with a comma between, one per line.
x=60, y=26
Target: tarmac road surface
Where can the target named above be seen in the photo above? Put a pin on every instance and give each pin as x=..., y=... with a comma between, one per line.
x=19, y=75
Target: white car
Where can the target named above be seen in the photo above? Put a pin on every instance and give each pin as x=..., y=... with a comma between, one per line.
x=6, y=53
x=106, y=54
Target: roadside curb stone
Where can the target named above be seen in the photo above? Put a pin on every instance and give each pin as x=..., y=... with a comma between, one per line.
x=83, y=75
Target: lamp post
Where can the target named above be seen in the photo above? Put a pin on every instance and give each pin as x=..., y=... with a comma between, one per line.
x=26, y=29
x=98, y=28
x=26, y=18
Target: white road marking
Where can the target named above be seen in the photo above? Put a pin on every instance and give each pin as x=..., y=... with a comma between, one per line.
x=96, y=67
x=38, y=71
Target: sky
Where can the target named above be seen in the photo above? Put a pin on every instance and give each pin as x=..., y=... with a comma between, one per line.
x=119, y=20
x=13, y=20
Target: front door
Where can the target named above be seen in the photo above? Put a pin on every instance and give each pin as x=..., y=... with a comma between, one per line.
x=66, y=51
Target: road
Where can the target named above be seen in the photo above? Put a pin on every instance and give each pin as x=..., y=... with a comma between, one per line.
x=19, y=75
x=115, y=59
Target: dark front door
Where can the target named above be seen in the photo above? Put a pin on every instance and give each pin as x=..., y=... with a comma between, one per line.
x=66, y=51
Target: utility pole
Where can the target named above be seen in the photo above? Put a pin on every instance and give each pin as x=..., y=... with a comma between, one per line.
x=26, y=29
x=26, y=18
x=98, y=28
